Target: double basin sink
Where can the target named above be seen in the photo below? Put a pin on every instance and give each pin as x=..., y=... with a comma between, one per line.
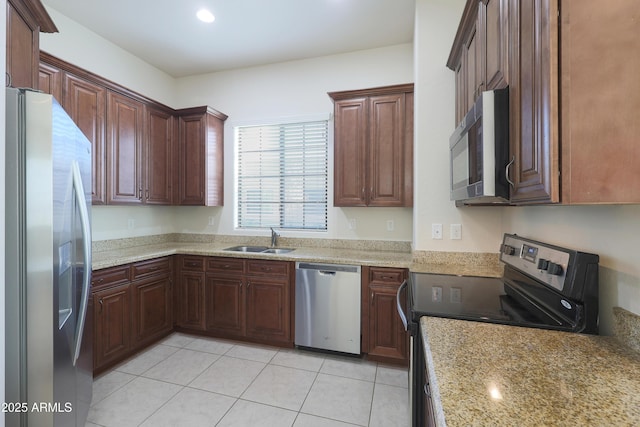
x=259, y=250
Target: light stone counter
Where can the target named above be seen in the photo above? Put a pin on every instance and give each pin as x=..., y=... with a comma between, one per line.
x=496, y=375
x=366, y=253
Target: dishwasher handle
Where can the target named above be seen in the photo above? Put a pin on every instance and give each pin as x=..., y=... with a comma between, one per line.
x=326, y=273
x=403, y=317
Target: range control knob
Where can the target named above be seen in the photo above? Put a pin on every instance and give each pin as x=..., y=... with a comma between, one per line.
x=508, y=250
x=543, y=264
x=555, y=269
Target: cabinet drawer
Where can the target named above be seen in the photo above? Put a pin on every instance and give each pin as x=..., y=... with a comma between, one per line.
x=192, y=263
x=386, y=275
x=274, y=268
x=151, y=267
x=220, y=265
x=111, y=276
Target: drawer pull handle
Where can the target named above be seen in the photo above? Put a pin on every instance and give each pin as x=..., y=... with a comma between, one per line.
x=226, y=266
x=101, y=304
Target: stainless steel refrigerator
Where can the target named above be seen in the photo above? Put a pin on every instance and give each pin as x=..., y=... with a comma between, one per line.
x=49, y=364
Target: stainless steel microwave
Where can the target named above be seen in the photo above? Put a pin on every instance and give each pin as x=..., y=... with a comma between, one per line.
x=479, y=150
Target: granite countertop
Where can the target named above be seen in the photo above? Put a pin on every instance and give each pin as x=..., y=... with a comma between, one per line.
x=499, y=375
x=382, y=256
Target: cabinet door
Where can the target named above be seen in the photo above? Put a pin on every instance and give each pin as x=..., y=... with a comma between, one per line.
x=152, y=309
x=192, y=161
x=214, y=189
x=157, y=157
x=350, y=159
x=22, y=56
x=387, y=337
x=112, y=319
x=85, y=103
x=50, y=81
x=192, y=300
x=125, y=119
x=600, y=57
x=496, y=44
x=225, y=305
x=268, y=312
x=386, y=150
x=534, y=101
x=473, y=60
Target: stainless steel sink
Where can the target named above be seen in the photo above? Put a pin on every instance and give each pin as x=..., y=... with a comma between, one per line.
x=247, y=249
x=259, y=249
x=278, y=251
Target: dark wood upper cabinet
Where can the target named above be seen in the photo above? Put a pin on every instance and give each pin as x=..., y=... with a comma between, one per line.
x=125, y=118
x=600, y=99
x=350, y=160
x=25, y=20
x=495, y=19
x=85, y=103
x=50, y=81
x=158, y=157
x=534, y=102
x=373, y=146
x=573, y=130
x=480, y=54
x=143, y=152
x=201, y=157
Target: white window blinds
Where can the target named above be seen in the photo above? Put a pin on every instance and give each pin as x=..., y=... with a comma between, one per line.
x=282, y=175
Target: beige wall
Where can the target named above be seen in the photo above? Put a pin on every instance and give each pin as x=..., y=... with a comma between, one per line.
x=84, y=48
x=436, y=24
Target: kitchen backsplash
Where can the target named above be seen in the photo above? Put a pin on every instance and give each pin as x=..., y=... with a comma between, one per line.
x=374, y=245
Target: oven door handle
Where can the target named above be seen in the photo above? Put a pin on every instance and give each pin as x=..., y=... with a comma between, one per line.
x=403, y=317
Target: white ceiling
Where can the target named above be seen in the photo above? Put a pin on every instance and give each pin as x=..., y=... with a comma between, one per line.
x=167, y=35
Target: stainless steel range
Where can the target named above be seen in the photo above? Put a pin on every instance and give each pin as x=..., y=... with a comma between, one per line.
x=543, y=286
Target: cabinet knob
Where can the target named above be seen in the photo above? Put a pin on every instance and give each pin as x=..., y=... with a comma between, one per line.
x=101, y=304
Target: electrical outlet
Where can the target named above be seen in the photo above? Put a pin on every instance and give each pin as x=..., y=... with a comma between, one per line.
x=131, y=223
x=352, y=224
x=436, y=231
x=391, y=225
x=436, y=294
x=212, y=220
x=455, y=232
x=456, y=294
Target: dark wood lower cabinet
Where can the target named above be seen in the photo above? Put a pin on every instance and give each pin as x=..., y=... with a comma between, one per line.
x=237, y=298
x=112, y=318
x=268, y=311
x=225, y=305
x=132, y=308
x=384, y=337
x=152, y=309
x=135, y=305
x=192, y=301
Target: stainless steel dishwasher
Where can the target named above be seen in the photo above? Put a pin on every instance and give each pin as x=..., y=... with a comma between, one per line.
x=328, y=307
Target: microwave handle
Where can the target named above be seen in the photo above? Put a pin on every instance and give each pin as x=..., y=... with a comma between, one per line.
x=506, y=171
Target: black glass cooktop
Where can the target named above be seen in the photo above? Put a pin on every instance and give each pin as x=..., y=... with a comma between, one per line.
x=469, y=298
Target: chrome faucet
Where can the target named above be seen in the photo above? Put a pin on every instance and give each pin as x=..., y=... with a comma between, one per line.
x=274, y=238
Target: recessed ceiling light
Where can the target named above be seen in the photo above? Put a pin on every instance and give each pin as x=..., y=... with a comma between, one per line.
x=205, y=16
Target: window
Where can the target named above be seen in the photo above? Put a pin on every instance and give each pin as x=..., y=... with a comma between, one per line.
x=282, y=175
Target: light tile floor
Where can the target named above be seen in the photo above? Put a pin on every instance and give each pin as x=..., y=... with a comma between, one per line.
x=189, y=381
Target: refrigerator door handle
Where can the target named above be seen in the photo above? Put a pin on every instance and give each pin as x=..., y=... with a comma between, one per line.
x=86, y=247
